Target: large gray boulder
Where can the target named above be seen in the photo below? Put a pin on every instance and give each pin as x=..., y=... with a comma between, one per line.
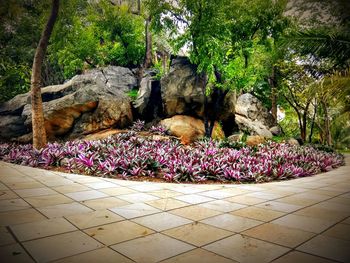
x=182, y=91
x=85, y=104
x=252, y=117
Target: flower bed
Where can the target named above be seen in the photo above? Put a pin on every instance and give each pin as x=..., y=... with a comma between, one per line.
x=127, y=155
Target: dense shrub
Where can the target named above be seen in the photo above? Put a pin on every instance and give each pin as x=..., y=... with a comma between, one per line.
x=128, y=155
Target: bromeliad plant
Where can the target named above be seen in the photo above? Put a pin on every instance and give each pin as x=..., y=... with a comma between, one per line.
x=127, y=155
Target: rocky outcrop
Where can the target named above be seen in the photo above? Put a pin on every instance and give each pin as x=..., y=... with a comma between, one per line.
x=252, y=117
x=86, y=104
x=183, y=94
x=189, y=129
x=148, y=103
x=182, y=91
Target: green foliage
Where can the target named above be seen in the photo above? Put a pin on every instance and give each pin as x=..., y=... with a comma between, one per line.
x=19, y=33
x=133, y=94
x=99, y=34
x=160, y=70
x=14, y=79
x=233, y=145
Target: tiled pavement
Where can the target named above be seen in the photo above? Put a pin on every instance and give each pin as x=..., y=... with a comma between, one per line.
x=48, y=216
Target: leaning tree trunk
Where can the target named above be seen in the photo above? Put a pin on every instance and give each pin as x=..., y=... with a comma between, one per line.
x=148, y=54
x=39, y=133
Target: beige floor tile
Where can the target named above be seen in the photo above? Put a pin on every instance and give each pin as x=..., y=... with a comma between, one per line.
x=44, y=228
x=165, y=193
x=70, y=188
x=297, y=200
x=167, y=204
x=162, y=221
x=20, y=216
x=118, y=232
x=267, y=195
x=138, y=197
x=13, y=204
x=86, y=195
x=3, y=187
x=135, y=210
x=5, y=237
x=47, y=200
x=295, y=256
x=101, y=185
x=305, y=223
x=186, y=189
x=197, y=234
x=250, y=187
x=328, y=247
x=14, y=254
x=105, y=203
x=87, y=179
x=279, y=206
x=7, y=194
x=231, y=222
x=233, y=191
x=35, y=192
x=334, y=207
x=322, y=213
x=56, y=182
x=222, y=206
x=102, y=255
x=115, y=191
x=340, y=200
x=245, y=200
x=95, y=218
x=258, y=213
x=198, y=256
x=149, y=187
x=152, y=248
x=195, y=212
x=60, y=246
x=281, y=235
x=193, y=198
x=341, y=231
x=218, y=194
x=64, y=210
x=245, y=249
x=312, y=195
x=346, y=221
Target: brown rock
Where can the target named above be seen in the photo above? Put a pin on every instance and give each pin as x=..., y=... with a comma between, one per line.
x=189, y=129
x=103, y=134
x=293, y=141
x=254, y=140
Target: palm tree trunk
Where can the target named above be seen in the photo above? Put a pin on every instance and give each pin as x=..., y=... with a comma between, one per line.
x=39, y=132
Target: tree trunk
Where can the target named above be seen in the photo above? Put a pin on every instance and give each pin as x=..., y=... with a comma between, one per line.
x=273, y=97
x=313, y=123
x=303, y=127
x=139, y=7
x=39, y=132
x=218, y=97
x=327, y=136
x=148, y=54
